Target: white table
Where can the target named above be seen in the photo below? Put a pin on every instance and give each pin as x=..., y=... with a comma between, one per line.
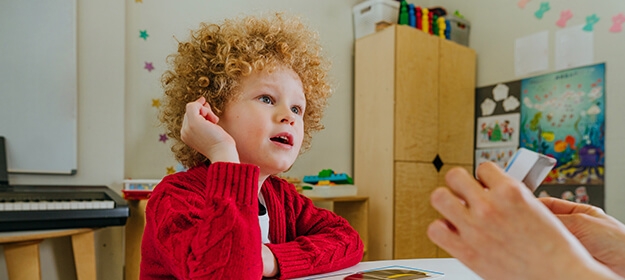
x=451, y=268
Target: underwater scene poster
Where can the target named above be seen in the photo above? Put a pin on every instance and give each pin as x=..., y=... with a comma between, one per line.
x=563, y=116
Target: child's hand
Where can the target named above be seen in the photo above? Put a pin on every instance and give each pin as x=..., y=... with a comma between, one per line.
x=270, y=267
x=201, y=132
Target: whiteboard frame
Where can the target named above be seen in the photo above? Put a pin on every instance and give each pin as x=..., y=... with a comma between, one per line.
x=38, y=85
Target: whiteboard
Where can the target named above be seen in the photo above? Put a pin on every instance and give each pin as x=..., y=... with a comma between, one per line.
x=38, y=85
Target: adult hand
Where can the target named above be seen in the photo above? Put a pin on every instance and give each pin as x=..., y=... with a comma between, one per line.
x=270, y=266
x=501, y=231
x=602, y=235
x=201, y=132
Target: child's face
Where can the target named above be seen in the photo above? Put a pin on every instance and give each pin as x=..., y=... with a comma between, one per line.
x=266, y=119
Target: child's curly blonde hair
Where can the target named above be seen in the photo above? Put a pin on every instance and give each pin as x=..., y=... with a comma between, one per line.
x=215, y=58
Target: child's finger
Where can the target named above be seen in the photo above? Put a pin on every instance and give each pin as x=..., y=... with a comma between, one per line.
x=208, y=114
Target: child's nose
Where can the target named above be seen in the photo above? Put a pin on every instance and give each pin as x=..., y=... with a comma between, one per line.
x=286, y=116
x=288, y=120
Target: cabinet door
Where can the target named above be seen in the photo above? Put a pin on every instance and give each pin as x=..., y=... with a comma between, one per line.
x=374, y=103
x=414, y=182
x=416, y=95
x=456, y=103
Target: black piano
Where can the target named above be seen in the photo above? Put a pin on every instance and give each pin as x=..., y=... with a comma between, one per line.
x=29, y=207
x=55, y=207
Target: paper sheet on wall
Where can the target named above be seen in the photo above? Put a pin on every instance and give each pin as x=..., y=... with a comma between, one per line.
x=574, y=47
x=531, y=53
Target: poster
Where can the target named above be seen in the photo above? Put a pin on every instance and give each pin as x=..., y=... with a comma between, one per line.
x=561, y=115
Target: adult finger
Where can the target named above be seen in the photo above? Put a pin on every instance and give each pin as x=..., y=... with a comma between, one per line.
x=492, y=176
x=444, y=234
x=464, y=185
x=450, y=206
x=561, y=206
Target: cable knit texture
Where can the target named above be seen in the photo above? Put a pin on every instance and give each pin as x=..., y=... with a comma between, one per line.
x=203, y=224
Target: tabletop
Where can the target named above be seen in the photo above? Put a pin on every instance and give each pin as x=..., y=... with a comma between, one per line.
x=445, y=268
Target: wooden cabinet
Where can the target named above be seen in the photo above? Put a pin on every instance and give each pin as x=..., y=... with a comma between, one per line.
x=355, y=209
x=413, y=120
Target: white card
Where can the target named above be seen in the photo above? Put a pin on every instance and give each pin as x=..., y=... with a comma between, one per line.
x=530, y=167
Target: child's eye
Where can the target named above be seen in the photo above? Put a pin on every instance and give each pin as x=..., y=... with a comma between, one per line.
x=265, y=99
x=296, y=109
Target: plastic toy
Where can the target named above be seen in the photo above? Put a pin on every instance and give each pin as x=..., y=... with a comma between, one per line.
x=328, y=177
x=442, y=27
x=434, y=24
x=418, y=17
x=425, y=21
x=412, y=17
x=403, y=13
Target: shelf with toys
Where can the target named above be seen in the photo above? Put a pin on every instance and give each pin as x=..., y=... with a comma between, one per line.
x=373, y=15
x=329, y=184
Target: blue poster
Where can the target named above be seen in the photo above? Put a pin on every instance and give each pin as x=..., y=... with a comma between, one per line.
x=563, y=116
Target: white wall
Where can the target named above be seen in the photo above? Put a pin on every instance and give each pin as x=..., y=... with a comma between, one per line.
x=101, y=80
x=165, y=20
x=495, y=26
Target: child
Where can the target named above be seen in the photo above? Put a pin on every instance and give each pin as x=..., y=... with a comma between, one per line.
x=241, y=102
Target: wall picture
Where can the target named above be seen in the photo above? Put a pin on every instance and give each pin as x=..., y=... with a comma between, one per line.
x=563, y=116
x=497, y=131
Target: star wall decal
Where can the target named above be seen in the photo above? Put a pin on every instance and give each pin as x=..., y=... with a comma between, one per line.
x=148, y=66
x=156, y=102
x=144, y=34
x=163, y=138
x=170, y=170
x=138, y=1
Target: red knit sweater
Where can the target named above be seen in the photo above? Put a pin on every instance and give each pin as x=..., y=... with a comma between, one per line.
x=203, y=224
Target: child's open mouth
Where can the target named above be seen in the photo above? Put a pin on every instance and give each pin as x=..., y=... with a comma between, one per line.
x=284, y=139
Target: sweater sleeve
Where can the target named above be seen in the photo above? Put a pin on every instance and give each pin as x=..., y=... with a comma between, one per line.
x=323, y=241
x=210, y=235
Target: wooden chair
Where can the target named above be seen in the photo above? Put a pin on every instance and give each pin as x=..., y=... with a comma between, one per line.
x=21, y=252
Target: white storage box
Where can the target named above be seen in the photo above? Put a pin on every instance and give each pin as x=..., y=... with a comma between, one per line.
x=370, y=13
x=329, y=191
x=460, y=29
